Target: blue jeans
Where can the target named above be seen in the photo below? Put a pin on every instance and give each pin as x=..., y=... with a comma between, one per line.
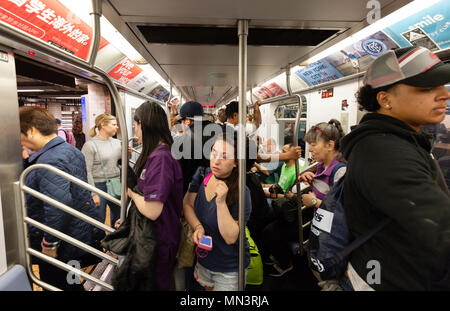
x=113, y=208
x=220, y=281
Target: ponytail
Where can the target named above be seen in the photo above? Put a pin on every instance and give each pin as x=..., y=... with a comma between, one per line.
x=93, y=132
x=326, y=132
x=100, y=120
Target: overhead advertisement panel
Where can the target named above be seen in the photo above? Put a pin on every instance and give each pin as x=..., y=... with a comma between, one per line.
x=429, y=28
x=270, y=90
x=318, y=72
x=358, y=56
x=51, y=22
x=125, y=71
x=159, y=93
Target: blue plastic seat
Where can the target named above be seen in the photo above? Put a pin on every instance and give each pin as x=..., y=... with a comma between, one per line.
x=15, y=279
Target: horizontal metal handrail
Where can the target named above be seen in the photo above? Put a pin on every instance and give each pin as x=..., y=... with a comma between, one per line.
x=68, y=268
x=307, y=224
x=27, y=220
x=71, y=240
x=70, y=178
x=67, y=209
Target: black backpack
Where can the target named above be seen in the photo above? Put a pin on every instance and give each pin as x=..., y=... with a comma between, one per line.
x=261, y=211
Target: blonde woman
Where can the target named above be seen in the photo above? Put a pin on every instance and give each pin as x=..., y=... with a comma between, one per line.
x=102, y=153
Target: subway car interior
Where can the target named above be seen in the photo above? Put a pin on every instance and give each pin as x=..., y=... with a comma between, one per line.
x=300, y=62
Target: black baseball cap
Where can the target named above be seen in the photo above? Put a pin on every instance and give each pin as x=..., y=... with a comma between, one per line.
x=192, y=110
x=415, y=66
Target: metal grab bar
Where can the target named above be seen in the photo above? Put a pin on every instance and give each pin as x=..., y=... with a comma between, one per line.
x=307, y=224
x=69, y=178
x=45, y=48
x=63, y=266
x=71, y=240
x=27, y=220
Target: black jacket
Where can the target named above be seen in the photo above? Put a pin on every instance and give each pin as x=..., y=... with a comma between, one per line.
x=136, y=239
x=188, y=150
x=390, y=173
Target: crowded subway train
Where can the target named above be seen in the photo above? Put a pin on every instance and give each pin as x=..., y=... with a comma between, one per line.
x=224, y=145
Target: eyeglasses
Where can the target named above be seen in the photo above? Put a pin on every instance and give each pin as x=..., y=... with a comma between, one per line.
x=322, y=131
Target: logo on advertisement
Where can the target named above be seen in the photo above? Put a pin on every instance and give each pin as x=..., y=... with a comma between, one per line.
x=374, y=47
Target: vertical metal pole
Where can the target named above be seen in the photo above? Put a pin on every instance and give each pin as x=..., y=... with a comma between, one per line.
x=242, y=33
x=297, y=173
x=288, y=79
x=95, y=42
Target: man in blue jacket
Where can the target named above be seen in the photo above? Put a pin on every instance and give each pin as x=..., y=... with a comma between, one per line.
x=39, y=134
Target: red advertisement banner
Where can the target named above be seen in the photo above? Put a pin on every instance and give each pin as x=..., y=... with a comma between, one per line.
x=269, y=91
x=125, y=71
x=51, y=22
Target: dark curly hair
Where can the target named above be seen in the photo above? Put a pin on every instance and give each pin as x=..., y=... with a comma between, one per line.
x=367, y=97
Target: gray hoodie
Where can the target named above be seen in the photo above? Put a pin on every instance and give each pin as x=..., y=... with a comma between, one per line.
x=110, y=152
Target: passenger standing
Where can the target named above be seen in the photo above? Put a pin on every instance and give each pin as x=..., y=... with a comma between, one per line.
x=102, y=153
x=77, y=130
x=39, y=134
x=161, y=183
x=324, y=143
x=211, y=208
x=391, y=175
x=61, y=132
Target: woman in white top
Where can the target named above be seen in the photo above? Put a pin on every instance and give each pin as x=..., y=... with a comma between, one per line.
x=102, y=153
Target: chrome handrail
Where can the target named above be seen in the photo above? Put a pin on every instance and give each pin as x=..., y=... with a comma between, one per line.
x=29, y=221
x=51, y=51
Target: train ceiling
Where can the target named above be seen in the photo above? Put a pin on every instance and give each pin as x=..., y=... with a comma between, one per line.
x=191, y=41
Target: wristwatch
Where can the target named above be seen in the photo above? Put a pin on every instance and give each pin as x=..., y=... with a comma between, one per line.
x=314, y=202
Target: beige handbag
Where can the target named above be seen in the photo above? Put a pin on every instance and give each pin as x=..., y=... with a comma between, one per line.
x=186, y=249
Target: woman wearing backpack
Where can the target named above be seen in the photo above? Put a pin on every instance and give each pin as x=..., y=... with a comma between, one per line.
x=102, y=153
x=391, y=175
x=323, y=140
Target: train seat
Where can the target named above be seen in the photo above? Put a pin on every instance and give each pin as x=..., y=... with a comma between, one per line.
x=15, y=279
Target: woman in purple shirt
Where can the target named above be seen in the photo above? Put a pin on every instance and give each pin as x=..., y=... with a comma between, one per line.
x=323, y=140
x=161, y=183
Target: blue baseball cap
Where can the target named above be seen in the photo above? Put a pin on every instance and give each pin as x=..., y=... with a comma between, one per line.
x=58, y=121
x=192, y=110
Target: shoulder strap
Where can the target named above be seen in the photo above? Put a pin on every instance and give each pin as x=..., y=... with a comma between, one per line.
x=361, y=240
x=335, y=169
x=61, y=129
x=99, y=156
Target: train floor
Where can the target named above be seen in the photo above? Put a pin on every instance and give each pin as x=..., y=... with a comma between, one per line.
x=299, y=278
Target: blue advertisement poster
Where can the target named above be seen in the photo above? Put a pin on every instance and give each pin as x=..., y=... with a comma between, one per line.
x=318, y=72
x=429, y=28
x=83, y=108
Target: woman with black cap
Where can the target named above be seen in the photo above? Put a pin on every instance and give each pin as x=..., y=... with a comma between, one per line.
x=391, y=175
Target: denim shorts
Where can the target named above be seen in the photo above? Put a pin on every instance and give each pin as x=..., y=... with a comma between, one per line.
x=220, y=281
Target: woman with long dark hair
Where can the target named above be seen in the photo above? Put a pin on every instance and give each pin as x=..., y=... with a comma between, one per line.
x=160, y=180
x=211, y=209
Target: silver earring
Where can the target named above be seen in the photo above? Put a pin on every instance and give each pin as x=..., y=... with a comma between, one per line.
x=31, y=136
